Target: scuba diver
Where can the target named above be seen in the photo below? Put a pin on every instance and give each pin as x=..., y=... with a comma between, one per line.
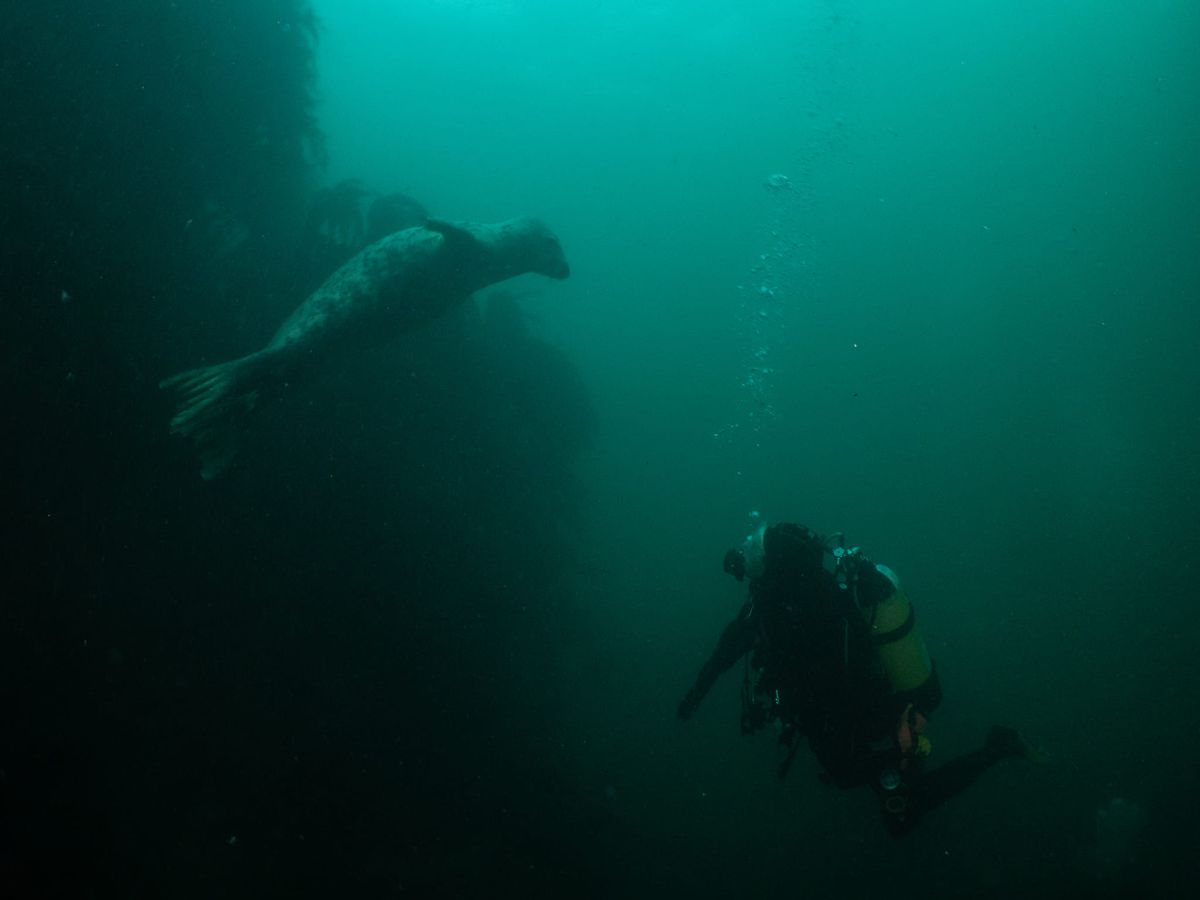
x=833, y=656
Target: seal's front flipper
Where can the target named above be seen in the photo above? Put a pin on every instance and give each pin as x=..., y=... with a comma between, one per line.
x=458, y=239
x=212, y=402
x=469, y=257
x=453, y=233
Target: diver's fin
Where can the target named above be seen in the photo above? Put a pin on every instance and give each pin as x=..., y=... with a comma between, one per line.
x=1036, y=753
x=212, y=401
x=1005, y=742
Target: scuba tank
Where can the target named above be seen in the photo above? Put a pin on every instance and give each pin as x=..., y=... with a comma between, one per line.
x=892, y=622
x=901, y=648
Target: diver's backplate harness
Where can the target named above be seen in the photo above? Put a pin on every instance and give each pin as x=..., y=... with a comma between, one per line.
x=840, y=562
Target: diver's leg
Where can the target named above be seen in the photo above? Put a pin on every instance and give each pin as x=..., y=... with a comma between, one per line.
x=903, y=805
x=953, y=777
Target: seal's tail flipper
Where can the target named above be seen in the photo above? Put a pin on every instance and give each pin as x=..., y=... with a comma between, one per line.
x=212, y=401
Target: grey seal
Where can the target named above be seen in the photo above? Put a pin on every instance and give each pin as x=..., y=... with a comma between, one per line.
x=397, y=284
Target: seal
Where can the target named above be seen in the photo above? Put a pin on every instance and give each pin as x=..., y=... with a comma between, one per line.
x=397, y=284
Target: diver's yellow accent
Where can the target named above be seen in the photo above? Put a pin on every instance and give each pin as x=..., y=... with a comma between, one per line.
x=923, y=748
x=906, y=660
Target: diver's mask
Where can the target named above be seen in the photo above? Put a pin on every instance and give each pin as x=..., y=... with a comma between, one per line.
x=747, y=561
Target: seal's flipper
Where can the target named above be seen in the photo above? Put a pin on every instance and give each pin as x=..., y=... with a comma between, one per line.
x=212, y=403
x=470, y=254
x=459, y=240
x=451, y=231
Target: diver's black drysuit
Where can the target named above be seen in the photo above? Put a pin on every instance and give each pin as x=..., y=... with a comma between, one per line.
x=813, y=665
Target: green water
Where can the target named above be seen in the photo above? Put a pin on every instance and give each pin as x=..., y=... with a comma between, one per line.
x=927, y=274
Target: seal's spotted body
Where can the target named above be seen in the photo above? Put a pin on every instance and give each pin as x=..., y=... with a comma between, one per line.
x=396, y=284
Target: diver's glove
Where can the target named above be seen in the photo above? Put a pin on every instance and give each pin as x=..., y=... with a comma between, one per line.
x=688, y=705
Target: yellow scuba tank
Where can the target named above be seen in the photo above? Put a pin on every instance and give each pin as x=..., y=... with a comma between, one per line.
x=901, y=647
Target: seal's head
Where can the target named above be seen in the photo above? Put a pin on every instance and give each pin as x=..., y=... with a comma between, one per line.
x=493, y=253
x=543, y=253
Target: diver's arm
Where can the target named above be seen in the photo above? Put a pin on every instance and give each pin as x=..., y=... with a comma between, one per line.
x=736, y=640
